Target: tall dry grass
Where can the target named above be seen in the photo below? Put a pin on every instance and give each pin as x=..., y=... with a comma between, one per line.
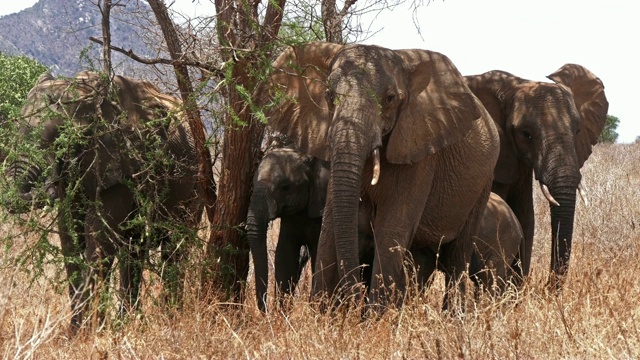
x=596, y=316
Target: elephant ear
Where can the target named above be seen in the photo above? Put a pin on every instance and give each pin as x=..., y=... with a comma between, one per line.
x=440, y=108
x=295, y=99
x=591, y=102
x=319, y=175
x=495, y=90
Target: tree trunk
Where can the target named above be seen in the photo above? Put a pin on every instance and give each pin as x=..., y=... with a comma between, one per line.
x=228, y=249
x=206, y=183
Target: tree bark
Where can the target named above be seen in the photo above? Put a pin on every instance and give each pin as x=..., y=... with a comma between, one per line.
x=332, y=19
x=206, y=184
x=106, y=35
x=239, y=27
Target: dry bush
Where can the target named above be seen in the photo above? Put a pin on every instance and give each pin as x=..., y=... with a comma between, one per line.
x=597, y=315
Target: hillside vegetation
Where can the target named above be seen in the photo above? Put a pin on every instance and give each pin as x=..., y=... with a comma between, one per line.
x=597, y=315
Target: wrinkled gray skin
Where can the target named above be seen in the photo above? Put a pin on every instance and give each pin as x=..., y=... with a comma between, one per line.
x=547, y=131
x=113, y=162
x=437, y=147
x=290, y=186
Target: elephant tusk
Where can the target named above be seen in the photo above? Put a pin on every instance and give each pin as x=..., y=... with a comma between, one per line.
x=547, y=194
x=376, y=166
x=582, y=191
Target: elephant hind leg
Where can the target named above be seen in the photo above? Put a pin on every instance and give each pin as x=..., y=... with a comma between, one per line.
x=105, y=240
x=461, y=254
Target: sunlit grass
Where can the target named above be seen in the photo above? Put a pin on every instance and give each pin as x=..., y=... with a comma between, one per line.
x=596, y=316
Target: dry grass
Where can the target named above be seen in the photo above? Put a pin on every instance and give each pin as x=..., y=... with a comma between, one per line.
x=596, y=316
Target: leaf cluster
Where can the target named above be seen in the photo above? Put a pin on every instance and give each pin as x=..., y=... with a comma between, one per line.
x=18, y=74
x=609, y=134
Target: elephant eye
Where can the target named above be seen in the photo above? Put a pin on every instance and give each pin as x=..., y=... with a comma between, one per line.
x=285, y=187
x=527, y=135
x=390, y=98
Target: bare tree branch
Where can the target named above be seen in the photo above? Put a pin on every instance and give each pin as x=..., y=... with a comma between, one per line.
x=154, y=61
x=347, y=6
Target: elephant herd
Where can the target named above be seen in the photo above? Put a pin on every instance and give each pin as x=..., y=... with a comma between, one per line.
x=396, y=156
x=418, y=161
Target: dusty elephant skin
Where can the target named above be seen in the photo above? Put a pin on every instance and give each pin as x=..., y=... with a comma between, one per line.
x=291, y=186
x=107, y=177
x=405, y=121
x=546, y=130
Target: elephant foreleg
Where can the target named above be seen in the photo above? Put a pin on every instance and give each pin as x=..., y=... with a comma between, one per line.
x=72, y=243
x=97, y=287
x=520, y=199
x=288, y=260
x=325, y=277
x=72, y=253
x=105, y=240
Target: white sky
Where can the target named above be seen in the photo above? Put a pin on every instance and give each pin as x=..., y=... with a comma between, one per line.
x=530, y=39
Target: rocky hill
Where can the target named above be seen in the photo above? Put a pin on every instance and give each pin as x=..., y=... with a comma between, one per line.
x=56, y=33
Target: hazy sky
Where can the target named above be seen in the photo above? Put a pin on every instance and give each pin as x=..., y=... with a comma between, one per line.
x=530, y=39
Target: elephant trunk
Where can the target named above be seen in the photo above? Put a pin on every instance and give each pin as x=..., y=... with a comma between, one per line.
x=261, y=211
x=561, y=232
x=562, y=182
x=350, y=150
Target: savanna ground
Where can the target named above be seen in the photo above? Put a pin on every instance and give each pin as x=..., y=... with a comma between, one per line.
x=596, y=316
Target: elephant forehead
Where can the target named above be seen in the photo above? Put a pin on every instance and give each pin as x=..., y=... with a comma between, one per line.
x=365, y=63
x=541, y=99
x=281, y=164
x=541, y=91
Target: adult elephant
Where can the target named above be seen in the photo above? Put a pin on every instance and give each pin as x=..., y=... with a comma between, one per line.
x=546, y=130
x=291, y=186
x=350, y=104
x=123, y=164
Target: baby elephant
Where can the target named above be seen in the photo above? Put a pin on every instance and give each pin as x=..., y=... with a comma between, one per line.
x=498, y=243
x=291, y=186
